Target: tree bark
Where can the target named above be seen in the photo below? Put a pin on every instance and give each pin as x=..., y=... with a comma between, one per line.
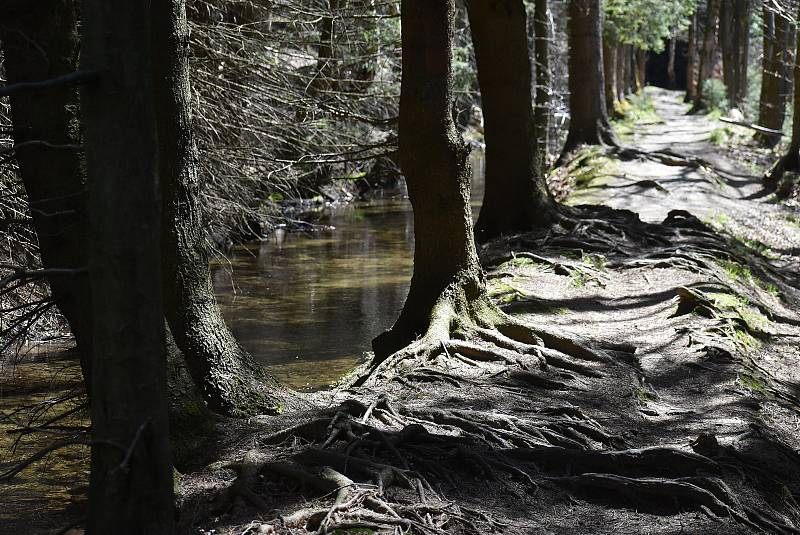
x=327, y=57
x=610, y=70
x=41, y=43
x=435, y=162
x=787, y=60
x=588, y=117
x=231, y=382
x=707, y=53
x=541, y=110
x=729, y=53
x=734, y=32
x=641, y=69
x=772, y=101
x=691, y=61
x=131, y=479
x=622, y=72
x=742, y=42
x=671, y=61
x=790, y=161
x=516, y=196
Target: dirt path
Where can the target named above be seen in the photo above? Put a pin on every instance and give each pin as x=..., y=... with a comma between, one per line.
x=721, y=192
x=684, y=417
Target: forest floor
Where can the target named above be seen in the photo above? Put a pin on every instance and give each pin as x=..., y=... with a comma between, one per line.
x=685, y=418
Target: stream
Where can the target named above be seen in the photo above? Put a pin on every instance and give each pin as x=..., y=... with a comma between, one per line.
x=307, y=305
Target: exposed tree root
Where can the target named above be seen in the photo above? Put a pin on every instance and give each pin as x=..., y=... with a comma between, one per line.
x=367, y=450
x=670, y=496
x=391, y=465
x=485, y=334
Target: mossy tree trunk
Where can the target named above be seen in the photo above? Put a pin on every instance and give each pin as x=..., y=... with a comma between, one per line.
x=516, y=196
x=131, y=483
x=435, y=162
x=587, y=104
x=231, y=382
x=41, y=42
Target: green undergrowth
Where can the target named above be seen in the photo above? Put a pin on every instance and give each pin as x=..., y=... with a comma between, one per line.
x=591, y=168
x=739, y=273
x=635, y=110
x=742, y=244
x=752, y=383
x=721, y=135
x=737, y=319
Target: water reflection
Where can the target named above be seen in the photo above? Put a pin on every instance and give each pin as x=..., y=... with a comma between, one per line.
x=308, y=305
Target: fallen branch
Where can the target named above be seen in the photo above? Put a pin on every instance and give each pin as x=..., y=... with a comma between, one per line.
x=757, y=128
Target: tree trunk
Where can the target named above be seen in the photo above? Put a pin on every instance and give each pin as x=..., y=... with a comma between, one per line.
x=791, y=159
x=541, y=110
x=610, y=70
x=631, y=66
x=587, y=103
x=707, y=53
x=742, y=43
x=729, y=53
x=622, y=72
x=734, y=32
x=787, y=60
x=131, y=480
x=435, y=162
x=231, y=382
x=326, y=50
x=772, y=102
x=641, y=69
x=671, y=61
x=516, y=197
x=38, y=44
x=691, y=61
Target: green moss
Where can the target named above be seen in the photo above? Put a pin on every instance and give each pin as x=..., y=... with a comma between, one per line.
x=192, y=408
x=738, y=306
x=580, y=279
x=752, y=383
x=643, y=395
x=721, y=135
x=598, y=261
x=719, y=219
x=771, y=289
x=353, y=531
x=521, y=261
x=590, y=170
x=735, y=270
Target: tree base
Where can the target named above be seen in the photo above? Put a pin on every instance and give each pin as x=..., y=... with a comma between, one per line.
x=476, y=331
x=773, y=178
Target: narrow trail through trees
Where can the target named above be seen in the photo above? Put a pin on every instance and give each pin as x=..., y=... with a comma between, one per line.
x=675, y=411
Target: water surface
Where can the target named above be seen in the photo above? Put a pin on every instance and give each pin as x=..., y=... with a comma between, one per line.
x=307, y=305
